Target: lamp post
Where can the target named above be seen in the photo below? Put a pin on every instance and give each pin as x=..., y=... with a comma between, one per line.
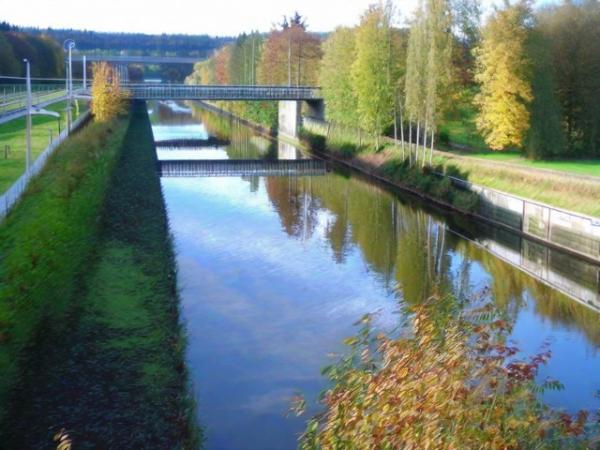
x=28, y=120
x=69, y=45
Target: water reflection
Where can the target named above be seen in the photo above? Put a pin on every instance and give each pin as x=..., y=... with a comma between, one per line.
x=273, y=271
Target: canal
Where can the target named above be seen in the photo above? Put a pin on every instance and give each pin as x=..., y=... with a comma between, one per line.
x=274, y=269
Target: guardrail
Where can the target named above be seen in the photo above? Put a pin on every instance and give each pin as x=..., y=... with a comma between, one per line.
x=10, y=198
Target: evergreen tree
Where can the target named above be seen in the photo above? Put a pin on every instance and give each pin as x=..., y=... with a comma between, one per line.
x=503, y=72
x=545, y=136
x=572, y=30
x=9, y=66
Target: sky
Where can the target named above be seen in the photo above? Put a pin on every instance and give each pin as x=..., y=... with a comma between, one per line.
x=213, y=17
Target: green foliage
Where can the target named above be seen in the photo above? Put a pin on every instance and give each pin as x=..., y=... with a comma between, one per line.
x=450, y=380
x=572, y=32
x=47, y=240
x=125, y=310
x=339, y=53
x=545, y=137
x=44, y=54
x=372, y=71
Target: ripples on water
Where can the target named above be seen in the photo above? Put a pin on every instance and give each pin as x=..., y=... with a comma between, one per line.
x=274, y=271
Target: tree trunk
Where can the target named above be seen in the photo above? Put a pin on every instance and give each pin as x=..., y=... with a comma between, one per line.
x=418, y=143
x=402, y=134
x=431, y=151
x=410, y=142
x=424, y=144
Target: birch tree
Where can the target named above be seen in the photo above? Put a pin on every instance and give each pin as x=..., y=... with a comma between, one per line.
x=335, y=78
x=371, y=71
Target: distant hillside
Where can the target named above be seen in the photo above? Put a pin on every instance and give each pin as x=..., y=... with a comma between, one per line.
x=201, y=46
x=43, y=52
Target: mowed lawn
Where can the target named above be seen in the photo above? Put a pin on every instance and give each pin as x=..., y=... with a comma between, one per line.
x=461, y=130
x=577, y=166
x=12, y=141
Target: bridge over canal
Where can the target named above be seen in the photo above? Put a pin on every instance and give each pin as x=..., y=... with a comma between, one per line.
x=290, y=98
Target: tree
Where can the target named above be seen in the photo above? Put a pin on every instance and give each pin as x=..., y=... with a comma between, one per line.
x=439, y=66
x=466, y=24
x=372, y=77
x=108, y=100
x=290, y=56
x=416, y=66
x=429, y=68
x=545, y=136
x=222, y=58
x=572, y=31
x=9, y=65
x=339, y=53
x=503, y=72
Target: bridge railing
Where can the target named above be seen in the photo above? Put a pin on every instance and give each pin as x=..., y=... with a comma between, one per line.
x=146, y=91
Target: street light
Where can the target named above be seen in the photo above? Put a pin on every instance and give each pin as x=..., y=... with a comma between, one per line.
x=28, y=133
x=69, y=45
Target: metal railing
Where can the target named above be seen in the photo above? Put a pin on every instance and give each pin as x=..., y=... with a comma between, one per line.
x=146, y=91
x=9, y=198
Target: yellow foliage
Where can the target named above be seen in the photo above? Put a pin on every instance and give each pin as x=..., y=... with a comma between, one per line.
x=503, y=73
x=450, y=384
x=108, y=99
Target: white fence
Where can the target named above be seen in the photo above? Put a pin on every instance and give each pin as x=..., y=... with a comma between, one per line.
x=9, y=198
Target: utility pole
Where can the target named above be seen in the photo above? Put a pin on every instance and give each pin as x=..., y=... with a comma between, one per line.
x=29, y=106
x=84, y=73
x=69, y=45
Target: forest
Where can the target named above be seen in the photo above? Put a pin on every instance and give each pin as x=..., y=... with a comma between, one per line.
x=521, y=79
x=200, y=45
x=44, y=53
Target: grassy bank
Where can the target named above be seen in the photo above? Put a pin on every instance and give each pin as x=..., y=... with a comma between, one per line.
x=117, y=378
x=12, y=135
x=47, y=241
x=387, y=163
x=574, y=194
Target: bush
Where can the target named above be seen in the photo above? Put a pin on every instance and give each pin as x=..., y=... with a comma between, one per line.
x=449, y=381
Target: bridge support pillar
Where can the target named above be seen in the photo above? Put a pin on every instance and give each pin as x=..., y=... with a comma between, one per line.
x=315, y=109
x=289, y=118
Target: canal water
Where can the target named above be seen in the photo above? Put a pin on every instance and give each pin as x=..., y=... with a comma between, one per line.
x=274, y=269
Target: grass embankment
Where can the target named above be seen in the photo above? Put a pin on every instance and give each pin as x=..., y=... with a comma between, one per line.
x=12, y=134
x=574, y=194
x=47, y=240
x=117, y=378
x=387, y=163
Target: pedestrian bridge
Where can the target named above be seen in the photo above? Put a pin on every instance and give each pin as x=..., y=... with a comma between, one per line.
x=159, y=91
x=130, y=59
x=290, y=98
